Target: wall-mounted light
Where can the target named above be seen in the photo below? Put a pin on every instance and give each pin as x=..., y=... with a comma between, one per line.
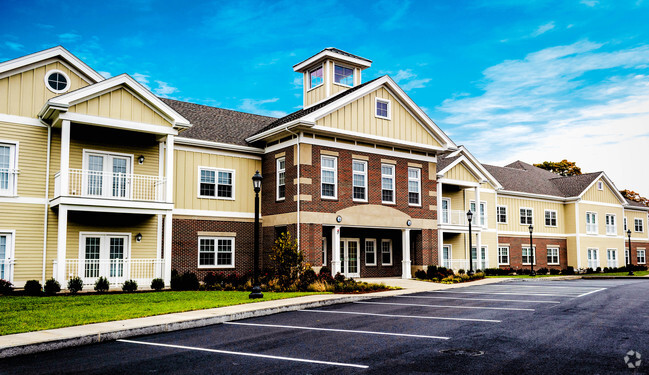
x=409, y=222
x=339, y=218
x=141, y=159
x=138, y=237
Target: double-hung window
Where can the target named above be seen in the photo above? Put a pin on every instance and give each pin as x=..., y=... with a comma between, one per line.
x=641, y=256
x=526, y=216
x=329, y=176
x=591, y=222
x=215, y=252
x=550, y=218
x=638, y=225
x=370, y=252
x=387, y=183
x=625, y=225
x=553, y=255
x=281, y=178
x=386, y=252
x=8, y=168
x=483, y=214
x=344, y=75
x=611, y=225
x=414, y=186
x=359, y=180
x=383, y=108
x=316, y=77
x=503, y=255
x=526, y=255
x=216, y=183
x=501, y=214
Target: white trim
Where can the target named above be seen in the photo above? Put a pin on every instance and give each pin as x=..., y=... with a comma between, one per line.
x=520, y=217
x=277, y=185
x=418, y=170
x=208, y=213
x=215, y=239
x=596, y=224
x=308, y=77
x=369, y=150
x=602, y=204
x=533, y=254
x=23, y=200
x=376, y=262
x=114, y=123
x=480, y=213
x=600, y=185
x=448, y=210
x=393, y=176
x=10, y=253
x=556, y=218
x=365, y=174
x=216, y=182
x=333, y=55
x=335, y=170
x=47, y=83
x=388, y=240
x=477, y=174
x=203, y=150
x=596, y=259
x=22, y=120
x=498, y=255
x=498, y=214
x=644, y=256
x=389, y=109
x=606, y=225
x=57, y=51
x=635, y=226
x=323, y=251
x=611, y=186
x=553, y=247
x=117, y=205
x=526, y=233
x=14, y=170
x=450, y=181
x=218, y=145
x=375, y=138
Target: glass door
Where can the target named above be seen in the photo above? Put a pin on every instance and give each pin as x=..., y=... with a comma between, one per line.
x=349, y=255
x=479, y=264
x=592, y=259
x=120, y=181
x=446, y=256
x=107, y=175
x=611, y=258
x=104, y=255
x=446, y=206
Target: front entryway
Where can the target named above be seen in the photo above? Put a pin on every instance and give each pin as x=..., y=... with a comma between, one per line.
x=103, y=255
x=349, y=256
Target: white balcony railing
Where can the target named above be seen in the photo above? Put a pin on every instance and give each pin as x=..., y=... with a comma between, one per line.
x=453, y=217
x=7, y=180
x=5, y=269
x=115, y=270
x=591, y=228
x=611, y=229
x=98, y=184
x=463, y=264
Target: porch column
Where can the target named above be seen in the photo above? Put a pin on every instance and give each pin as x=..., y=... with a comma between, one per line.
x=158, y=246
x=65, y=158
x=478, y=242
x=405, y=249
x=440, y=235
x=169, y=166
x=335, y=250
x=167, y=248
x=61, y=245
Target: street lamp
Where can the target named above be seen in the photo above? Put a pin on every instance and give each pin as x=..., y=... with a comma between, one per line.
x=256, y=289
x=532, y=273
x=629, y=264
x=469, y=216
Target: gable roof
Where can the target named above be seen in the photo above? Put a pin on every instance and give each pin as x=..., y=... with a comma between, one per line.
x=334, y=53
x=634, y=204
x=573, y=186
x=462, y=155
x=218, y=124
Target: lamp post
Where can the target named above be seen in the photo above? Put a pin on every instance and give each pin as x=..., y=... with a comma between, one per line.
x=469, y=217
x=532, y=273
x=629, y=264
x=256, y=289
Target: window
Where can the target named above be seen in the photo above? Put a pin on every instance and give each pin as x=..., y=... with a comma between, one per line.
x=501, y=214
x=483, y=214
x=641, y=256
x=550, y=218
x=359, y=180
x=387, y=183
x=329, y=176
x=57, y=81
x=591, y=222
x=8, y=171
x=386, y=252
x=553, y=255
x=315, y=77
x=343, y=75
x=592, y=258
x=215, y=252
x=526, y=255
x=281, y=178
x=383, y=108
x=611, y=226
x=503, y=255
x=216, y=183
x=324, y=251
x=414, y=186
x=638, y=225
x=446, y=211
x=6, y=243
x=625, y=226
x=626, y=256
x=611, y=257
x=526, y=216
x=600, y=185
x=370, y=252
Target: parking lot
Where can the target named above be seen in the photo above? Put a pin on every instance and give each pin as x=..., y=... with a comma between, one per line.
x=537, y=326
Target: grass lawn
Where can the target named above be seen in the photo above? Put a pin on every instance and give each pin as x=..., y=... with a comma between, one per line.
x=25, y=314
x=625, y=273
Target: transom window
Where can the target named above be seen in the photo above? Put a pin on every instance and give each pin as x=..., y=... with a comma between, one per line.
x=553, y=255
x=215, y=252
x=216, y=183
x=8, y=171
x=57, y=81
x=503, y=255
x=638, y=225
x=370, y=252
x=526, y=216
x=414, y=186
x=387, y=183
x=611, y=225
x=550, y=218
x=344, y=75
x=641, y=256
x=591, y=222
x=526, y=255
x=359, y=180
x=329, y=176
x=501, y=214
x=281, y=178
x=315, y=77
x=386, y=252
x=383, y=108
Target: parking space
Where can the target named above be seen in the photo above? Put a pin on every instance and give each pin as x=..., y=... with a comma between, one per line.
x=537, y=326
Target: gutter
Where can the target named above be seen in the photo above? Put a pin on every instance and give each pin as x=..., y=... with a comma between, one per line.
x=47, y=195
x=279, y=129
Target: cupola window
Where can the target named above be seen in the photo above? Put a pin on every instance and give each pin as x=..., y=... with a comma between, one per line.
x=344, y=76
x=315, y=77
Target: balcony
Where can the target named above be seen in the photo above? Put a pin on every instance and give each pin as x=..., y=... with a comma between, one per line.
x=109, y=185
x=115, y=270
x=458, y=264
x=453, y=217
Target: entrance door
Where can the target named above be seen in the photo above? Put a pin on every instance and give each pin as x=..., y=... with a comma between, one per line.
x=611, y=257
x=107, y=175
x=349, y=250
x=446, y=256
x=593, y=260
x=103, y=255
x=479, y=263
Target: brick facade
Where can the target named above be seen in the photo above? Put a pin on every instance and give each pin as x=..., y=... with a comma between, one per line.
x=635, y=245
x=541, y=244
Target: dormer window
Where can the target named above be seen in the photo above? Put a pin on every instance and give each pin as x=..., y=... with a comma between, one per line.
x=315, y=77
x=343, y=75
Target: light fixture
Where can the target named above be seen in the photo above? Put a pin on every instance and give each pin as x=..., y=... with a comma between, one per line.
x=141, y=159
x=469, y=215
x=256, y=287
x=339, y=219
x=138, y=237
x=409, y=222
x=256, y=181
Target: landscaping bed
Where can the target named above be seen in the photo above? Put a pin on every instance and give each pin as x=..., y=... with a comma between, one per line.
x=445, y=275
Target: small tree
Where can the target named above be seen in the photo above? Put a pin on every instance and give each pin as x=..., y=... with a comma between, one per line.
x=562, y=168
x=287, y=259
x=630, y=194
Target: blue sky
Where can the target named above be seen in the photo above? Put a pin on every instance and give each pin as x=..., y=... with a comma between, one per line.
x=530, y=80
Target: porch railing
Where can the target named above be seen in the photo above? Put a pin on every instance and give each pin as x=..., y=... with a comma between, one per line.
x=99, y=184
x=453, y=217
x=115, y=270
x=458, y=264
x=5, y=269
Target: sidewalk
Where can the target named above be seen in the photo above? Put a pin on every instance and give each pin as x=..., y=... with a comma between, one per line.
x=52, y=339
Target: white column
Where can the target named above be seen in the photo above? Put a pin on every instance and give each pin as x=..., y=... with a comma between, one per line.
x=61, y=245
x=335, y=250
x=478, y=241
x=440, y=234
x=478, y=248
x=405, y=249
x=65, y=157
x=167, y=248
x=169, y=166
x=158, y=256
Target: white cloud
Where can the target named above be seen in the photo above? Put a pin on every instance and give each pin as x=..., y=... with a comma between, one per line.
x=407, y=79
x=576, y=102
x=543, y=29
x=142, y=78
x=105, y=74
x=254, y=106
x=297, y=82
x=14, y=46
x=590, y=3
x=164, y=89
x=69, y=37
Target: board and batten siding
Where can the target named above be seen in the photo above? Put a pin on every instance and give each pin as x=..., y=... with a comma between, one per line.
x=460, y=173
x=538, y=206
x=603, y=196
x=187, y=176
x=25, y=93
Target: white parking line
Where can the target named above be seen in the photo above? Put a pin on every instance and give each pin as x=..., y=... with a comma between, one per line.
x=507, y=293
x=591, y=292
x=339, y=330
x=479, y=299
x=445, y=306
x=404, y=316
x=542, y=286
x=245, y=354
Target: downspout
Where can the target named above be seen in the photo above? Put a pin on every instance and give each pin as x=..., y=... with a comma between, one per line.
x=298, y=188
x=47, y=196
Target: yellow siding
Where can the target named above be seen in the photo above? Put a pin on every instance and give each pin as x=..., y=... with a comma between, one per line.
x=27, y=221
x=602, y=196
x=457, y=199
x=458, y=244
x=24, y=94
x=601, y=217
x=631, y=215
x=122, y=105
x=538, y=207
x=569, y=213
x=32, y=156
x=358, y=116
x=461, y=173
x=186, y=181
x=490, y=199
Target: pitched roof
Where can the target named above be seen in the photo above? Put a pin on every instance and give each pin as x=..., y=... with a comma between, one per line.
x=341, y=52
x=572, y=186
x=218, y=124
x=634, y=203
x=445, y=161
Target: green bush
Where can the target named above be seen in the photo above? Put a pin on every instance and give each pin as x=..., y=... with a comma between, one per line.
x=6, y=287
x=554, y=271
x=129, y=286
x=421, y=274
x=101, y=285
x=33, y=288
x=287, y=259
x=75, y=284
x=157, y=284
x=187, y=281
x=570, y=270
x=542, y=271
x=52, y=287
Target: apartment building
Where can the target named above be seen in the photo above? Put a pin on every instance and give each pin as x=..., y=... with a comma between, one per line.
x=100, y=177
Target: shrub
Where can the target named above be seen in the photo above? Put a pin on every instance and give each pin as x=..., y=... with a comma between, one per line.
x=570, y=270
x=101, y=285
x=598, y=269
x=6, y=287
x=554, y=271
x=421, y=274
x=157, y=284
x=287, y=259
x=308, y=276
x=461, y=271
x=325, y=271
x=52, y=287
x=33, y=288
x=339, y=278
x=75, y=284
x=542, y=271
x=186, y=281
x=129, y=286
x=431, y=272
x=211, y=279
